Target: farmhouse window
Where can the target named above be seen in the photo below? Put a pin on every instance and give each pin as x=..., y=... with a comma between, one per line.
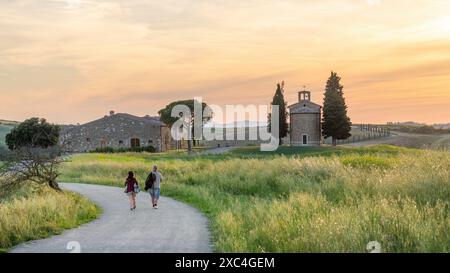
x=135, y=142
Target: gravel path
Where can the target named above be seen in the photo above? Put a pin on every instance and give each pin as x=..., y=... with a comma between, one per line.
x=174, y=227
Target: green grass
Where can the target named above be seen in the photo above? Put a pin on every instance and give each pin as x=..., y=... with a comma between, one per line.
x=301, y=200
x=296, y=151
x=30, y=215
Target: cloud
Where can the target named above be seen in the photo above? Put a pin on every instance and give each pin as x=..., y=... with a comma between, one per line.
x=37, y=78
x=373, y=2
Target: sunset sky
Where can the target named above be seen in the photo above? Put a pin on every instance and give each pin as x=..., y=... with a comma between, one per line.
x=74, y=60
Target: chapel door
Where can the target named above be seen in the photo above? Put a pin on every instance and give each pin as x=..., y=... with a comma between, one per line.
x=305, y=139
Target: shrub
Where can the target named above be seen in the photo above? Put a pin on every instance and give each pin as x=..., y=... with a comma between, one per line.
x=103, y=150
x=110, y=150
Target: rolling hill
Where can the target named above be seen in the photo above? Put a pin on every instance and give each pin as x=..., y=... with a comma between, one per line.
x=5, y=127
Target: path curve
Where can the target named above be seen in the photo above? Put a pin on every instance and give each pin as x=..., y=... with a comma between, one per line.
x=174, y=227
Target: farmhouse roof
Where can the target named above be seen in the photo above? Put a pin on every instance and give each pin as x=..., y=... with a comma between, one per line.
x=149, y=120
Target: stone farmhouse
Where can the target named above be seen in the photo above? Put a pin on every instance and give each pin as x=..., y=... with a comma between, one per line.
x=117, y=131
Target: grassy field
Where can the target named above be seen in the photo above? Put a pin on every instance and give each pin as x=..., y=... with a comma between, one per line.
x=301, y=200
x=436, y=142
x=35, y=214
x=416, y=141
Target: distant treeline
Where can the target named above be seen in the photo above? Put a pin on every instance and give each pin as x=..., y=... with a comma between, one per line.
x=422, y=129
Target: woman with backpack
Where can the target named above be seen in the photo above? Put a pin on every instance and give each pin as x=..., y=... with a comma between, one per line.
x=131, y=189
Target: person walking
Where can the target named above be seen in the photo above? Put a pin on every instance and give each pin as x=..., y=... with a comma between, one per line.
x=153, y=185
x=131, y=189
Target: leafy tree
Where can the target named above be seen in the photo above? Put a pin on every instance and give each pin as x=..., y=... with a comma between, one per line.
x=33, y=132
x=278, y=99
x=336, y=124
x=34, y=155
x=166, y=116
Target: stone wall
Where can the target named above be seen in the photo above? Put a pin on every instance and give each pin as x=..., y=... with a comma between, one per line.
x=115, y=131
x=305, y=123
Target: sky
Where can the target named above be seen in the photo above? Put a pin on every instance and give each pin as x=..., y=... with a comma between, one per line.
x=72, y=61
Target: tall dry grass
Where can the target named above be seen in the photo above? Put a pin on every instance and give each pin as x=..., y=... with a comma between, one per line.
x=39, y=214
x=333, y=203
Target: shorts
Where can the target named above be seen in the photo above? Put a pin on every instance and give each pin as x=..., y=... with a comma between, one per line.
x=154, y=192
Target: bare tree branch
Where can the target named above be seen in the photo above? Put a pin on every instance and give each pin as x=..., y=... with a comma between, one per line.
x=30, y=164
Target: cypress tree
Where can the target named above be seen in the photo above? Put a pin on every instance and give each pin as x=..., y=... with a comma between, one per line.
x=335, y=124
x=278, y=99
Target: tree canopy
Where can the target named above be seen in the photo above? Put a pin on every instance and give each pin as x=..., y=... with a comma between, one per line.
x=33, y=132
x=166, y=114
